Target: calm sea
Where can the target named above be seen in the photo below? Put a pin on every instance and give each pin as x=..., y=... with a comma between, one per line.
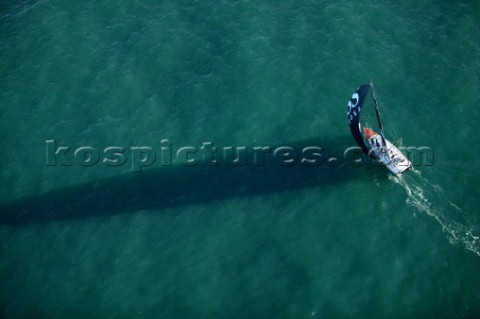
x=142, y=146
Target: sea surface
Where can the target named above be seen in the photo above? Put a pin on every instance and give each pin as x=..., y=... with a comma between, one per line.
x=152, y=155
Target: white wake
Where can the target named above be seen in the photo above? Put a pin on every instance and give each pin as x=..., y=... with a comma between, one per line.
x=416, y=186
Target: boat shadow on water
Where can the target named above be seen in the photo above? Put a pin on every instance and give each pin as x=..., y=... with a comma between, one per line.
x=178, y=185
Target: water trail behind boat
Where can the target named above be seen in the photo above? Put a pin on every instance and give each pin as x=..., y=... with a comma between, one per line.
x=431, y=199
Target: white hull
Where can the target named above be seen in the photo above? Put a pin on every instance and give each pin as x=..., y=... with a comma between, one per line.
x=390, y=156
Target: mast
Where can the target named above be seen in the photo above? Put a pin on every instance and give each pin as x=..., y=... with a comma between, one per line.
x=382, y=134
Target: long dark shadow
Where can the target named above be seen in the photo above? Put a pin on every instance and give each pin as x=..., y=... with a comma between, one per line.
x=178, y=185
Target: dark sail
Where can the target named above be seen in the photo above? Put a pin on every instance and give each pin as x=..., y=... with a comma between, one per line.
x=355, y=106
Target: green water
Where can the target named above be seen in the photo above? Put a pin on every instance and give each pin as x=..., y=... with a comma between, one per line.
x=229, y=241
